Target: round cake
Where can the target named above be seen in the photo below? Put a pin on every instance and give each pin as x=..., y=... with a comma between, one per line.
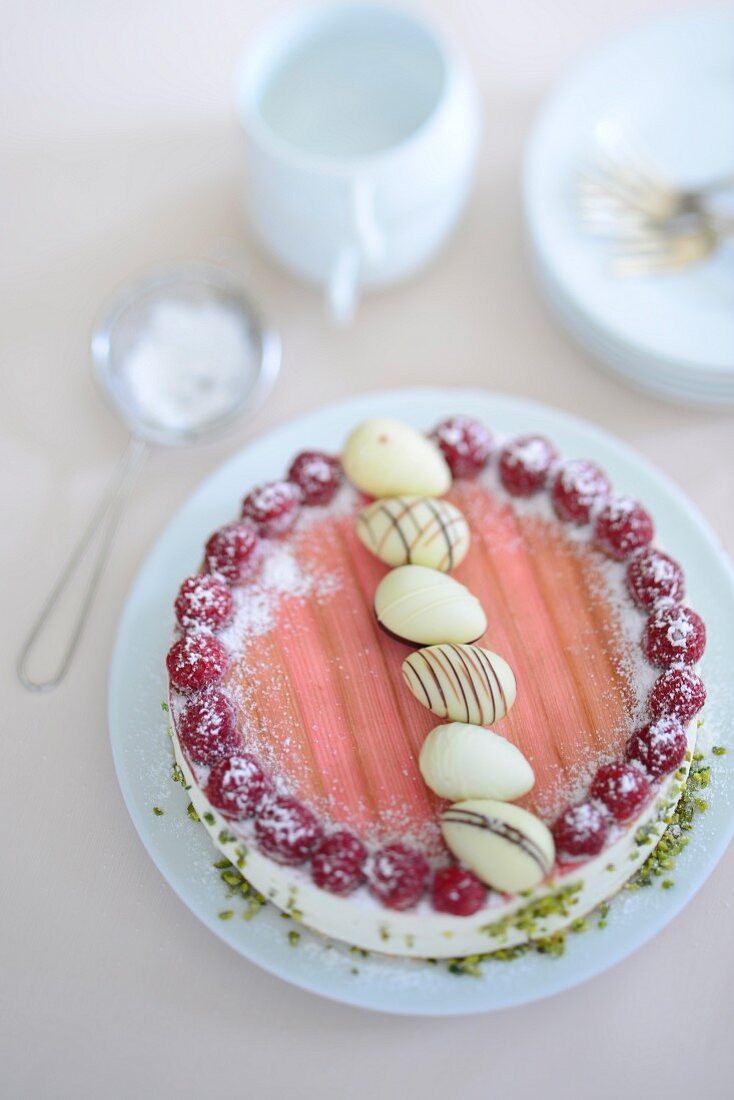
x=436, y=696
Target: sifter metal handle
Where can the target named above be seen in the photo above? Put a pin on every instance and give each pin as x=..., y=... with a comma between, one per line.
x=92, y=552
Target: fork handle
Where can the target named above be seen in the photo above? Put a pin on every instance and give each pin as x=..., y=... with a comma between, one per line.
x=90, y=555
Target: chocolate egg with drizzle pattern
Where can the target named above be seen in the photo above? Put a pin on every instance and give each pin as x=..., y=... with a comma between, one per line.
x=459, y=761
x=507, y=847
x=415, y=531
x=463, y=683
x=423, y=606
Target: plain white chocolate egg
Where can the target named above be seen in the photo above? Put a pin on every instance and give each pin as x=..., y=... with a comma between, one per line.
x=409, y=530
x=505, y=846
x=426, y=607
x=386, y=458
x=464, y=683
x=460, y=761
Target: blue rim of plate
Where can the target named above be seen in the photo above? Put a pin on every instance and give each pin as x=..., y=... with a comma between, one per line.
x=181, y=850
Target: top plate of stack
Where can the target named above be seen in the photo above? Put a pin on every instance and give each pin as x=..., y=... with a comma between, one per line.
x=665, y=85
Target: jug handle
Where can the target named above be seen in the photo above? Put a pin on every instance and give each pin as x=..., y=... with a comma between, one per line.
x=365, y=241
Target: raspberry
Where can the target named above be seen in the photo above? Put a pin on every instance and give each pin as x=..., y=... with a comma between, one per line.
x=237, y=786
x=622, y=527
x=660, y=747
x=231, y=552
x=458, y=891
x=674, y=635
x=338, y=865
x=272, y=508
x=653, y=576
x=576, y=488
x=466, y=445
x=287, y=831
x=197, y=660
x=203, y=600
x=525, y=463
x=317, y=475
x=207, y=727
x=398, y=876
x=621, y=788
x=679, y=692
x=580, y=832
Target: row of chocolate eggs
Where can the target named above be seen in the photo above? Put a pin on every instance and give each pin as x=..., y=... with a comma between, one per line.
x=422, y=537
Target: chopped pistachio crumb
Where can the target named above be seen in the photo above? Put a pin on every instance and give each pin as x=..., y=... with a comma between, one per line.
x=667, y=884
x=384, y=934
x=222, y=864
x=164, y=706
x=507, y=954
x=225, y=837
x=209, y=818
x=158, y=811
x=293, y=937
x=719, y=750
x=360, y=951
x=226, y=914
x=470, y=965
x=354, y=970
x=192, y=812
x=679, y=824
x=554, y=945
x=528, y=919
x=256, y=902
x=232, y=878
x=178, y=776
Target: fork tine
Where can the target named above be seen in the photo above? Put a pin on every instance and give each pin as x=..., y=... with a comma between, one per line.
x=661, y=253
x=626, y=177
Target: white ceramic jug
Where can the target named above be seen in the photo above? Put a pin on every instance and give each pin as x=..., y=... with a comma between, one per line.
x=362, y=127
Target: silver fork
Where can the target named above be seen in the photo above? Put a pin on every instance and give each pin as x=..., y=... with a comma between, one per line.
x=656, y=226
x=669, y=247
x=618, y=188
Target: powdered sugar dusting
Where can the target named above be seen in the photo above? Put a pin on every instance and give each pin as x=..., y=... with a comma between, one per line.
x=530, y=453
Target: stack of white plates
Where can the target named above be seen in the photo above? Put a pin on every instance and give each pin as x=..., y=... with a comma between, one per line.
x=669, y=86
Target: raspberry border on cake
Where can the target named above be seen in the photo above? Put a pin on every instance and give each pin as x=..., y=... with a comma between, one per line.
x=673, y=638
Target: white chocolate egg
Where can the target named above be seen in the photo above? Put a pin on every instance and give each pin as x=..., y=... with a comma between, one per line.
x=415, y=531
x=459, y=761
x=464, y=683
x=386, y=458
x=424, y=606
x=507, y=847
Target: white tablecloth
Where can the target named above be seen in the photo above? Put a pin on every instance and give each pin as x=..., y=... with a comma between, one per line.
x=119, y=149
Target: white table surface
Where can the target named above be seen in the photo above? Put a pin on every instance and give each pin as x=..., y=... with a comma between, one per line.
x=118, y=149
